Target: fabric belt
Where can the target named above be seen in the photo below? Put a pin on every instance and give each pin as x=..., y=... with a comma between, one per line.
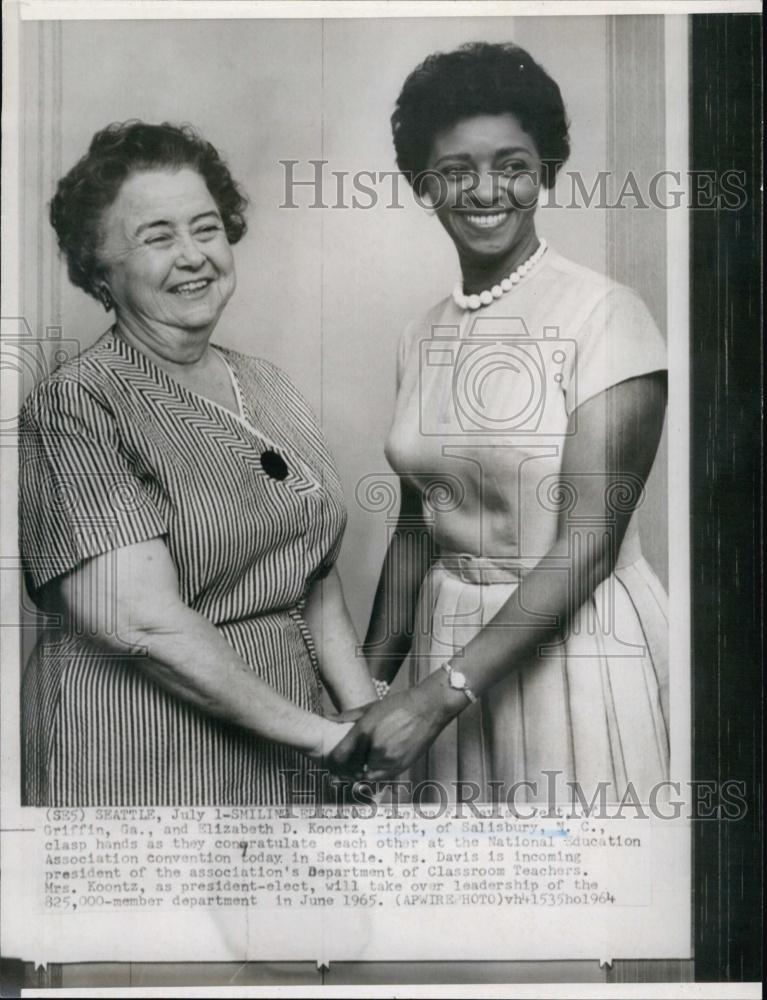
x=485, y=570
x=482, y=570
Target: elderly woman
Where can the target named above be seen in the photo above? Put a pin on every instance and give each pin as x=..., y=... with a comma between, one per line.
x=530, y=406
x=180, y=513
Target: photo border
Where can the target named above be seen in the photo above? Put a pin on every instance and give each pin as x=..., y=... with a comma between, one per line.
x=725, y=455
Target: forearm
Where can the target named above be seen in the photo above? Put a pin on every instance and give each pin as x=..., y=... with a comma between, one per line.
x=188, y=657
x=395, y=732
x=536, y=614
x=177, y=648
x=392, y=620
x=343, y=670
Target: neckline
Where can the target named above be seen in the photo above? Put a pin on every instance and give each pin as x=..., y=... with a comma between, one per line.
x=137, y=357
x=474, y=301
x=466, y=317
x=234, y=381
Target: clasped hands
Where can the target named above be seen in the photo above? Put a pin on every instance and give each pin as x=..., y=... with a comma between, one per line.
x=388, y=735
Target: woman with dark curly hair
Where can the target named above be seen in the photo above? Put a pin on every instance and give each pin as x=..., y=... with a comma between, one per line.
x=530, y=406
x=180, y=513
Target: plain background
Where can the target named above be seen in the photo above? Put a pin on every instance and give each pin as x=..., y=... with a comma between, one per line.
x=325, y=293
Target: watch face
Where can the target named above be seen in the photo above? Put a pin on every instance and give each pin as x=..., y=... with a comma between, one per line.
x=457, y=680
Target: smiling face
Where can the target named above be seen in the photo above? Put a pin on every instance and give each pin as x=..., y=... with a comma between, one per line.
x=166, y=259
x=486, y=190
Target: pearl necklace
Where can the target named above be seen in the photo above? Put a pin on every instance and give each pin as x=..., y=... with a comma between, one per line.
x=490, y=294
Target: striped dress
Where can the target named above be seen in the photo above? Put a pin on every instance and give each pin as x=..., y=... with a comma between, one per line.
x=113, y=451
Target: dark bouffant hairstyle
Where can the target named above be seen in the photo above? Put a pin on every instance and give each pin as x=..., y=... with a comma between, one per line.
x=115, y=153
x=478, y=79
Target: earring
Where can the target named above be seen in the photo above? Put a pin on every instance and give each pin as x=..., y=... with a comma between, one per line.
x=106, y=298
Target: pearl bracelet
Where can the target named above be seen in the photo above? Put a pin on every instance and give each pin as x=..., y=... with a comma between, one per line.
x=382, y=688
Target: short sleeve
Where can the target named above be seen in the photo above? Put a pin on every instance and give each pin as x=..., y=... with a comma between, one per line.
x=79, y=496
x=619, y=340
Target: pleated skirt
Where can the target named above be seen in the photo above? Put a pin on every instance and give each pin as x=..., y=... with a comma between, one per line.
x=589, y=709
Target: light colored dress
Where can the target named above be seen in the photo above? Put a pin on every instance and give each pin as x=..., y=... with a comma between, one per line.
x=481, y=421
x=113, y=451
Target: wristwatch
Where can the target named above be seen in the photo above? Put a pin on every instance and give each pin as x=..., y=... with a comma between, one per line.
x=457, y=681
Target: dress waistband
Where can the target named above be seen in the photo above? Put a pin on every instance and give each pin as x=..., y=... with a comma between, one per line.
x=482, y=570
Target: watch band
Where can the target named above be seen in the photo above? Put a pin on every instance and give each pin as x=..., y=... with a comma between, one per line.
x=457, y=681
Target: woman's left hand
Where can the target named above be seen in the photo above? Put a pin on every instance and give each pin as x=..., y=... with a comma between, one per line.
x=390, y=736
